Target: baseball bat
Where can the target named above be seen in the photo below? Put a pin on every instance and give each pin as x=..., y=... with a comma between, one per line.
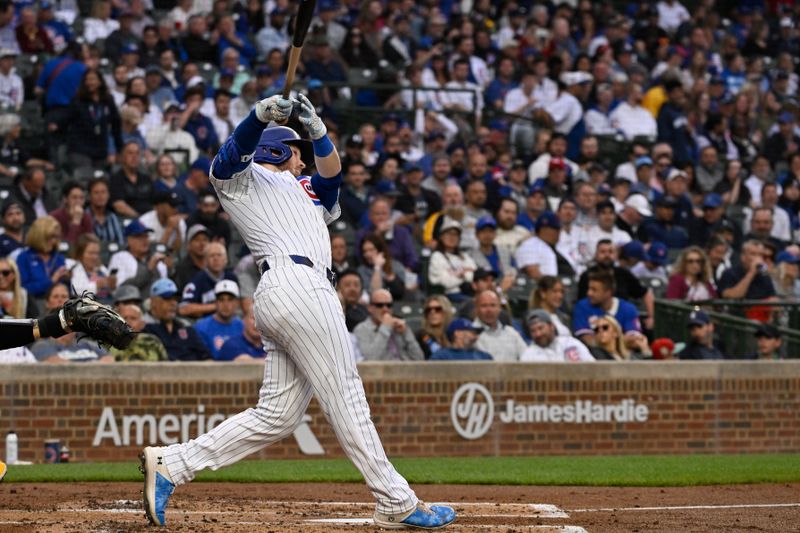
x=304, y=15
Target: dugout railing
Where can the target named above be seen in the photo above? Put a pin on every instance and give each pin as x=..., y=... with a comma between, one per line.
x=734, y=323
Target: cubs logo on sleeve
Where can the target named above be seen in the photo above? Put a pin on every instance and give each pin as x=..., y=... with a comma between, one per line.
x=571, y=354
x=305, y=181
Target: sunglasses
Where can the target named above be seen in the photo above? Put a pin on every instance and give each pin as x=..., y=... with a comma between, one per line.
x=385, y=305
x=6, y=273
x=430, y=310
x=602, y=327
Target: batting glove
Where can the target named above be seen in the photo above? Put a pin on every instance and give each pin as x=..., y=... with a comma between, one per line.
x=309, y=118
x=275, y=108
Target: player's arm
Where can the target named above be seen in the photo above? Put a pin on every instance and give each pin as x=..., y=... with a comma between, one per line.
x=328, y=179
x=235, y=155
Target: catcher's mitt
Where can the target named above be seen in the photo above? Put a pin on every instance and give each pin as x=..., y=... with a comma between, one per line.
x=86, y=315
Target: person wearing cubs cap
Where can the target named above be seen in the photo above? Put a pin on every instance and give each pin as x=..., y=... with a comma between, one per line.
x=653, y=266
x=182, y=342
x=701, y=338
x=663, y=226
x=537, y=256
x=462, y=335
x=216, y=329
x=547, y=345
x=768, y=340
x=133, y=265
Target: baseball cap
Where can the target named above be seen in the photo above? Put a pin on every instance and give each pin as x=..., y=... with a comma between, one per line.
x=461, y=324
x=557, y=162
x=518, y=163
x=355, y=140
x=164, y=288
x=135, y=227
x=712, y=200
x=8, y=204
x=328, y=5
x=662, y=348
x=536, y=188
x=633, y=250
x=486, y=221
x=8, y=52
x=644, y=160
x=483, y=273
x=605, y=204
x=785, y=117
x=227, y=286
x=387, y=188
x=172, y=104
x=548, y=219
x=202, y=163
x=192, y=232
x=449, y=223
x=127, y=293
x=698, y=318
x=167, y=197
x=657, y=253
x=767, y=330
x=639, y=203
x=787, y=257
x=130, y=48
x=538, y=315
x=674, y=173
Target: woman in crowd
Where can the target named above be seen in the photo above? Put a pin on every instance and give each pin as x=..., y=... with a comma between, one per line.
x=15, y=299
x=609, y=340
x=166, y=174
x=41, y=264
x=449, y=268
x=691, y=278
x=92, y=118
x=356, y=52
x=437, y=313
x=87, y=271
x=379, y=270
x=549, y=295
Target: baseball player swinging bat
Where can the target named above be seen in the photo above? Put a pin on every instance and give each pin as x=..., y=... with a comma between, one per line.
x=282, y=215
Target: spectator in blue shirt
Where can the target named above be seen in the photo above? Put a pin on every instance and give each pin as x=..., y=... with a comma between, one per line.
x=58, y=31
x=198, y=125
x=230, y=38
x=41, y=264
x=13, y=218
x=223, y=325
x=673, y=125
x=600, y=301
x=462, y=335
x=199, y=299
x=662, y=227
x=60, y=77
x=182, y=342
x=247, y=346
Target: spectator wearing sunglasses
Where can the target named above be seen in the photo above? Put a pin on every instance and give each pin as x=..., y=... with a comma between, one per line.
x=610, y=341
x=691, y=279
x=383, y=337
x=16, y=303
x=437, y=315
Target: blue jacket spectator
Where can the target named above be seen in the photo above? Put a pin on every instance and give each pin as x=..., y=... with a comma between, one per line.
x=60, y=78
x=662, y=227
x=182, y=342
x=41, y=264
x=462, y=335
x=673, y=125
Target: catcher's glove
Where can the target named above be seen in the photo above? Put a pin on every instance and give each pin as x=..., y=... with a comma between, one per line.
x=86, y=315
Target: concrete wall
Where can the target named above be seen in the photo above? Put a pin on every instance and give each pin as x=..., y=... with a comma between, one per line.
x=601, y=408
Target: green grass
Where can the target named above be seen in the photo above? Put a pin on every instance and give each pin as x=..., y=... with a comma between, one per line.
x=661, y=470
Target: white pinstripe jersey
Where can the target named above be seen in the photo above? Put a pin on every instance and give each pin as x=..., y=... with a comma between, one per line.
x=277, y=213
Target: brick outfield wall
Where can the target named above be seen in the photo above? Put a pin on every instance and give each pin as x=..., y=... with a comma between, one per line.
x=729, y=407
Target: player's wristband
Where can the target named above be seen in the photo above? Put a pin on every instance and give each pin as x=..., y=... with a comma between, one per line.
x=50, y=326
x=322, y=146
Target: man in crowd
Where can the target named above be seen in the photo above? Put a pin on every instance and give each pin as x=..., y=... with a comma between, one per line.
x=216, y=329
x=29, y=191
x=350, y=289
x=168, y=227
x=509, y=233
x=749, y=279
x=701, y=338
x=135, y=266
x=181, y=341
x=13, y=235
x=462, y=335
x=145, y=346
x=547, y=345
x=537, y=256
x=769, y=341
x=197, y=238
x=246, y=346
x=600, y=301
x=199, y=298
x=209, y=215
x=384, y=337
x=501, y=341
x=131, y=189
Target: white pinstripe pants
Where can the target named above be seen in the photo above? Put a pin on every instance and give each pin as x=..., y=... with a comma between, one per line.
x=308, y=351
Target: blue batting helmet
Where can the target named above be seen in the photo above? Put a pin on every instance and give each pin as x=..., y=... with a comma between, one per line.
x=274, y=146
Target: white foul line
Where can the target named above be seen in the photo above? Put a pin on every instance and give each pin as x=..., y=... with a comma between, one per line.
x=686, y=507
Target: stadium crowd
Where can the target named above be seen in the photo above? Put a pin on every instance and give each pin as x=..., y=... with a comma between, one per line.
x=582, y=157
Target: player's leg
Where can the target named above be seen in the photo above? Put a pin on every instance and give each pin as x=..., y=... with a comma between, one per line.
x=305, y=315
x=283, y=400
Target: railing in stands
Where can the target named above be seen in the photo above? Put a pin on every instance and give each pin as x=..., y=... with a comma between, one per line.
x=731, y=323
